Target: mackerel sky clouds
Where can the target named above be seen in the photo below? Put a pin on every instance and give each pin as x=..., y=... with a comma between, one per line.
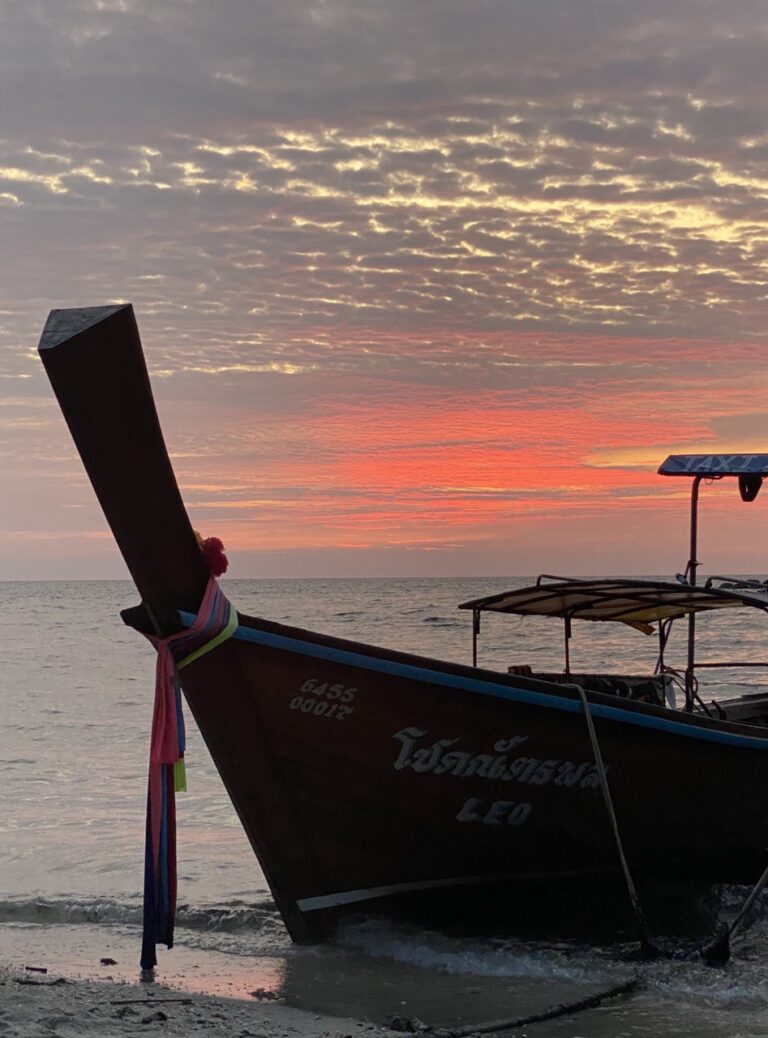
x=425, y=286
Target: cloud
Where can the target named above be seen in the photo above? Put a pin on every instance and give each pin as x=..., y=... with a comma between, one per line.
x=349, y=224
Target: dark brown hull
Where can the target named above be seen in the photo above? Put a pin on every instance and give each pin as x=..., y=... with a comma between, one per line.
x=442, y=776
x=362, y=775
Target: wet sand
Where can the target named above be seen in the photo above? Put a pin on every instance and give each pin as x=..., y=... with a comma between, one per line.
x=34, y=1004
x=67, y=980
x=86, y=981
x=64, y=981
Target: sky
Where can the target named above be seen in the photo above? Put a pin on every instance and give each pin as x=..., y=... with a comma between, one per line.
x=426, y=287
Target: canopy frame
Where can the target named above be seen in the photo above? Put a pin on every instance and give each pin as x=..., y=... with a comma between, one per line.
x=635, y=602
x=750, y=470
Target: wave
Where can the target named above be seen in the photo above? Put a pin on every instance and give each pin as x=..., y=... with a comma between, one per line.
x=669, y=986
x=428, y=950
x=231, y=917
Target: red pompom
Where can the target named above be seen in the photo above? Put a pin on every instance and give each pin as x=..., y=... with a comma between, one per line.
x=213, y=553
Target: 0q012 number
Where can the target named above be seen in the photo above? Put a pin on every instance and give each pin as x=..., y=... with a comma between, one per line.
x=321, y=699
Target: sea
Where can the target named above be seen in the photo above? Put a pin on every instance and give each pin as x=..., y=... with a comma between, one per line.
x=76, y=699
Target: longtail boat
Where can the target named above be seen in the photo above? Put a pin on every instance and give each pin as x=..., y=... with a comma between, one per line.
x=365, y=776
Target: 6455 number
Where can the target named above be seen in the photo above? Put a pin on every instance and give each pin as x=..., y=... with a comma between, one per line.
x=323, y=699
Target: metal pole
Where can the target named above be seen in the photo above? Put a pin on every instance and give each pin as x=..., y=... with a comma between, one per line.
x=662, y=644
x=475, y=629
x=567, y=647
x=690, y=571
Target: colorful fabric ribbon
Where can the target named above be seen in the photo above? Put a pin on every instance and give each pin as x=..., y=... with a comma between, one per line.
x=215, y=622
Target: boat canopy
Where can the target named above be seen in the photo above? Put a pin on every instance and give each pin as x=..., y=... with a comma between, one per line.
x=635, y=602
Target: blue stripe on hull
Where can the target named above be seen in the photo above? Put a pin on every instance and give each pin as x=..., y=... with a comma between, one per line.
x=413, y=672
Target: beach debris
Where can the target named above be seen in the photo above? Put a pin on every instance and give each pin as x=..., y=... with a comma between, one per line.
x=125, y=1011
x=155, y=1018
x=40, y=983
x=265, y=994
x=106, y=961
x=397, y=1023
x=36, y=969
x=148, y=1001
x=409, y=1024
x=53, y=1023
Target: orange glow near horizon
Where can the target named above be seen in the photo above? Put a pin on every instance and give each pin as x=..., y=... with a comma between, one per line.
x=437, y=469
x=315, y=464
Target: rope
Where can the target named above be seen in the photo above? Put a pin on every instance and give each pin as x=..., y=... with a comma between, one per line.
x=548, y=1014
x=718, y=952
x=215, y=622
x=649, y=949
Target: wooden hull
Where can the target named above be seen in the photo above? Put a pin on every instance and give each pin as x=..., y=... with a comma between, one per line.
x=362, y=775
x=438, y=777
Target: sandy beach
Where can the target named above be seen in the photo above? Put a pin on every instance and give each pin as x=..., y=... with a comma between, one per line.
x=73, y=980
x=62, y=981
x=35, y=1003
